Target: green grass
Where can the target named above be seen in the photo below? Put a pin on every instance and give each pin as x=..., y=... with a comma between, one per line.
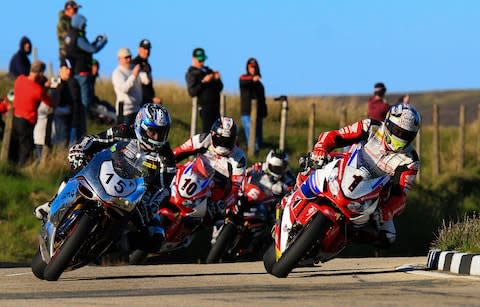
x=462, y=236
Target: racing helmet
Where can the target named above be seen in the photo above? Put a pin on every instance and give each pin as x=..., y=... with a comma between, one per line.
x=152, y=126
x=401, y=126
x=276, y=163
x=224, y=135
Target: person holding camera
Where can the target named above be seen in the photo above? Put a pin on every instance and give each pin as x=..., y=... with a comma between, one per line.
x=206, y=85
x=79, y=53
x=29, y=92
x=148, y=92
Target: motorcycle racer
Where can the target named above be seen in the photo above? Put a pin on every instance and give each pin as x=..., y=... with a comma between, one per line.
x=149, y=135
x=227, y=159
x=385, y=149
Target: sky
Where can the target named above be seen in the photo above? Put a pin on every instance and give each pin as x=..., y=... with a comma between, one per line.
x=304, y=47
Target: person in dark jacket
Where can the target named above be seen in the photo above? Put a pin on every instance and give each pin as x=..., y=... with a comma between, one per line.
x=206, y=85
x=67, y=102
x=64, y=24
x=146, y=78
x=377, y=105
x=251, y=87
x=20, y=63
x=79, y=52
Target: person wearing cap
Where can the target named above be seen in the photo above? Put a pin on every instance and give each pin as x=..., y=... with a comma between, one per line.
x=146, y=78
x=29, y=91
x=251, y=87
x=20, y=63
x=68, y=105
x=206, y=85
x=377, y=105
x=127, y=86
x=80, y=53
x=63, y=26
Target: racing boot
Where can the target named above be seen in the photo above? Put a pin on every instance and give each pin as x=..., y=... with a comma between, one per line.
x=41, y=212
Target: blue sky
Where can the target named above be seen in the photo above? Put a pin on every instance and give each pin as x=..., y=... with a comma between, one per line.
x=311, y=47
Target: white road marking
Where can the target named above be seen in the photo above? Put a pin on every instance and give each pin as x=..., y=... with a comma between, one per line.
x=18, y=274
x=420, y=270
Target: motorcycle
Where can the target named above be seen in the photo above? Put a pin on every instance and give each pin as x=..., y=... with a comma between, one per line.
x=245, y=233
x=317, y=226
x=89, y=214
x=188, y=208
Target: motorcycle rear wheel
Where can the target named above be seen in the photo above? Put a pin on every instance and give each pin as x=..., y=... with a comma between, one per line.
x=312, y=232
x=72, y=244
x=138, y=256
x=38, y=265
x=226, y=236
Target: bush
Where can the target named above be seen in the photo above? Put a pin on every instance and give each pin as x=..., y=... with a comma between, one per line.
x=463, y=236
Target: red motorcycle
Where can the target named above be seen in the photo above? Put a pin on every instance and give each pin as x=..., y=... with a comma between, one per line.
x=187, y=210
x=325, y=212
x=245, y=234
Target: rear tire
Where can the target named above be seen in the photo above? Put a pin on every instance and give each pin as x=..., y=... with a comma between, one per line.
x=77, y=236
x=312, y=232
x=269, y=258
x=38, y=265
x=226, y=236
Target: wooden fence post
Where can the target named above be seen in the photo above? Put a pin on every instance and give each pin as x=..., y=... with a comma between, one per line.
x=120, y=118
x=35, y=54
x=311, y=128
x=7, y=134
x=478, y=133
x=50, y=70
x=283, y=123
x=418, y=147
x=193, y=124
x=223, y=105
x=435, y=143
x=343, y=116
x=461, y=137
x=253, y=128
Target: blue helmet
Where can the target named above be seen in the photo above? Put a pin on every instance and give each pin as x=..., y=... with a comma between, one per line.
x=152, y=126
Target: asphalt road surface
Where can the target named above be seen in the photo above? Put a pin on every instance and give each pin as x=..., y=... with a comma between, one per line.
x=347, y=282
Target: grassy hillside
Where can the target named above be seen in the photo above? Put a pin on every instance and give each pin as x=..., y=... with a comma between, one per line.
x=452, y=194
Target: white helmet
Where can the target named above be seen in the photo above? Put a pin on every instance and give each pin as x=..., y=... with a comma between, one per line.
x=401, y=126
x=152, y=126
x=224, y=135
x=277, y=163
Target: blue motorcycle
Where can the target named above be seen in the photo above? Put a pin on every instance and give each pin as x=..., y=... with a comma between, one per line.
x=89, y=214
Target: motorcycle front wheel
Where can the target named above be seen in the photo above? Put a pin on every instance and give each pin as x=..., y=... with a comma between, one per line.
x=225, y=237
x=71, y=245
x=38, y=265
x=269, y=258
x=311, y=233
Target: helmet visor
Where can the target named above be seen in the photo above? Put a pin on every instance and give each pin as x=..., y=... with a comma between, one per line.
x=276, y=169
x=399, y=132
x=223, y=141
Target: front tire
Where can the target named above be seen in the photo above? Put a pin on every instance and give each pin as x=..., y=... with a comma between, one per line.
x=269, y=258
x=38, y=265
x=226, y=236
x=312, y=232
x=76, y=237
x=138, y=256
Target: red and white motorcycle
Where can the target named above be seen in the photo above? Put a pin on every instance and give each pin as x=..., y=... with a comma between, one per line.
x=188, y=207
x=322, y=214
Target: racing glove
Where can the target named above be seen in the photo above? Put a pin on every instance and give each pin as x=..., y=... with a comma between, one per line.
x=77, y=154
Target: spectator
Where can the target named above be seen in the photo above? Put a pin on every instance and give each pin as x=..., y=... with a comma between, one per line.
x=20, y=63
x=100, y=110
x=4, y=107
x=148, y=92
x=64, y=23
x=79, y=52
x=404, y=99
x=251, y=87
x=377, y=105
x=42, y=131
x=206, y=85
x=67, y=102
x=127, y=86
x=29, y=93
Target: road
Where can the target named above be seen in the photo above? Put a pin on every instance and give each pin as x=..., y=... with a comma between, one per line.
x=349, y=282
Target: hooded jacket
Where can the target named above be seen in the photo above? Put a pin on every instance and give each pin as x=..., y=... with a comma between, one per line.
x=20, y=63
x=250, y=89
